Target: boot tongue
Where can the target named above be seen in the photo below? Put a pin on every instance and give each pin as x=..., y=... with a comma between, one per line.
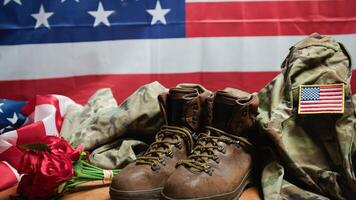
x=223, y=111
x=178, y=99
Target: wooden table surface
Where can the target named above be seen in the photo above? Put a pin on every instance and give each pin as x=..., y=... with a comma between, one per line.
x=102, y=193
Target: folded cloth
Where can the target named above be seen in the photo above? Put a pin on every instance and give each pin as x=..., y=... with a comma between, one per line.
x=101, y=121
x=117, y=154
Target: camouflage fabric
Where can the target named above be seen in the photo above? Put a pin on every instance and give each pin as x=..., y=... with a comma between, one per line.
x=117, y=154
x=309, y=156
x=78, y=118
x=101, y=121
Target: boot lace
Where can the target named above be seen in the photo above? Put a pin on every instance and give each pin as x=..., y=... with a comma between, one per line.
x=161, y=147
x=206, y=146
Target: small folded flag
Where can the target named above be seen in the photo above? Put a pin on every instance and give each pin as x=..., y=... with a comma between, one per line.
x=315, y=99
x=45, y=117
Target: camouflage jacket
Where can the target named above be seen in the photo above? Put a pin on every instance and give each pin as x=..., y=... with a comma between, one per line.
x=310, y=155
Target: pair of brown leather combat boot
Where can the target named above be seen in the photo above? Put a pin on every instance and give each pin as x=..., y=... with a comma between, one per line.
x=200, y=152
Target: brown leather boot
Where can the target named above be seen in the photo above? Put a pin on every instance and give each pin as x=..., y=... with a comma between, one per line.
x=221, y=162
x=144, y=179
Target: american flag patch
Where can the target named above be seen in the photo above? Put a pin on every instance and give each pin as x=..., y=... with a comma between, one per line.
x=315, y=99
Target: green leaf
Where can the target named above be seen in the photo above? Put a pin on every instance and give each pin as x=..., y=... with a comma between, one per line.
x=35, y=147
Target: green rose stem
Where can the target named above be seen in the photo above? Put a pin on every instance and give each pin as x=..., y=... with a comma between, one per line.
x=83, y=172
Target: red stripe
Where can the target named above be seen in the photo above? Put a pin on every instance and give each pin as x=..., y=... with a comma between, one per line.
x=49, y=99
x=31, y=133
x=44, y=99
x=39, y=100
x=81, y=88
x=12, y=156
x=8, y=178
x=312, y=111
x=270, y=18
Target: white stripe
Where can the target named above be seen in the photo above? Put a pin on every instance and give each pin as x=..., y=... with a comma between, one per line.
x=314, y=109
x=4, y=145
x=318, y=105
x=9, y=137
x=47, y=114
x=219, y=54
x=323, y=101
x=330, y=93
x=13, y=170
x=64, y=102
x=330, y=97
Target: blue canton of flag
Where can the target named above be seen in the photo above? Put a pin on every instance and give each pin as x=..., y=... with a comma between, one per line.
x=310, y=94
x=56, y=21
x=10, y=115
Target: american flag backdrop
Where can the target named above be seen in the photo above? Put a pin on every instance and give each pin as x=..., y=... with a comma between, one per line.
x=74, y=47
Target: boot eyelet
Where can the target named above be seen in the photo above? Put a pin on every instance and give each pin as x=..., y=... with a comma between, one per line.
x=169, y=154
x=160, y=137
x=221, y=149
x=238, y=144
x=195, y=136
x=216, y=159
x=154, y=167
x=209, y=170
x=162, y=161
x=179, y=145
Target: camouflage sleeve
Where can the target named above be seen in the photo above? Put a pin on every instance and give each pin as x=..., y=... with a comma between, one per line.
x=101, y=120
x=275, y=187
x=117, y=154
x=78, y=118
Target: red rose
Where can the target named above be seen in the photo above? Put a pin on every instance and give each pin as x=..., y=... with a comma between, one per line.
x=61, y=148
x=44, y=181
x=58, y=169
x=30, y=162
x=33, y=188
x=46, y=167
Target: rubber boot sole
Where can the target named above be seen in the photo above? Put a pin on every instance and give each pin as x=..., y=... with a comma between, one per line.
x=234, y=195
